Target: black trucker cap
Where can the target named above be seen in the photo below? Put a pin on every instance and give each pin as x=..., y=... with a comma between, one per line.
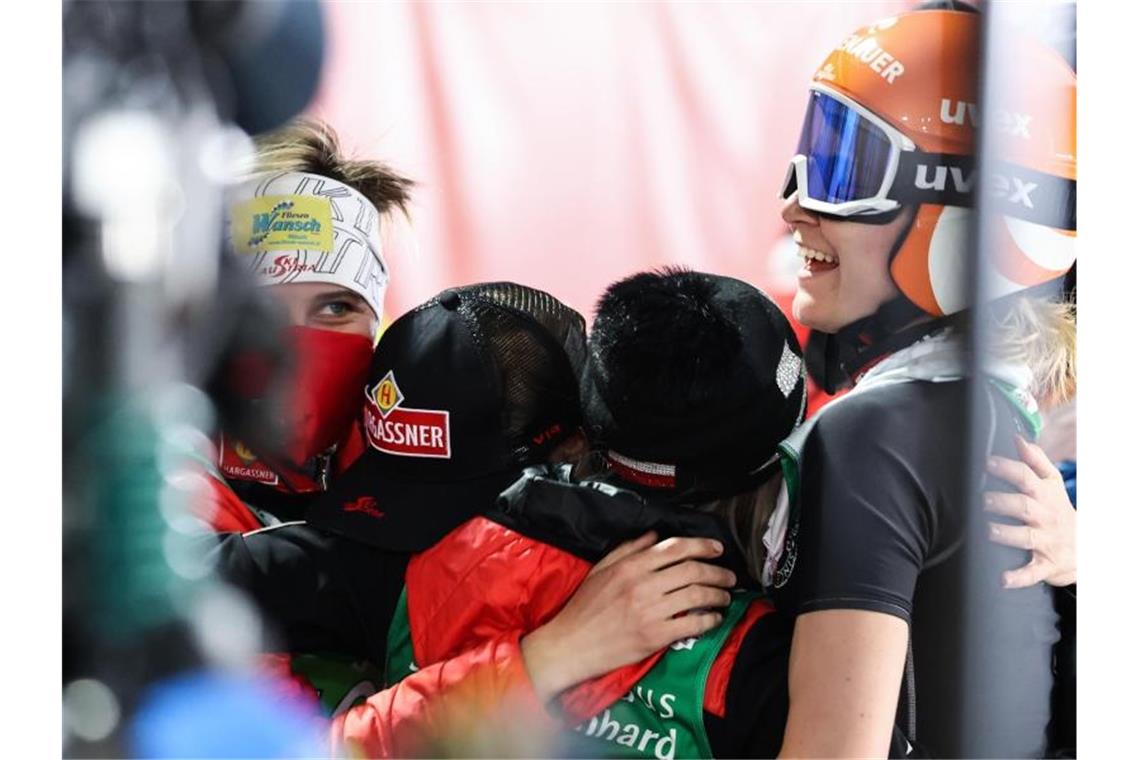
x=464, y=391
x=691, y=381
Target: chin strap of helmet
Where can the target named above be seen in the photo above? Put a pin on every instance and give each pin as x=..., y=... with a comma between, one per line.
x=835, y=360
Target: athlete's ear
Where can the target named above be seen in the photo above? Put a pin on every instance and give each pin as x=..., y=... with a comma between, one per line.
x=570, y=450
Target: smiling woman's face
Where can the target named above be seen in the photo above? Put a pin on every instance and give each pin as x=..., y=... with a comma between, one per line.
x=845, y=274
x=326, y=307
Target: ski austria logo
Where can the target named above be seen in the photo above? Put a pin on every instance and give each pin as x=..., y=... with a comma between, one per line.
x=395, y=429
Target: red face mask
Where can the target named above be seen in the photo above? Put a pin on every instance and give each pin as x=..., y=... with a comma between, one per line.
x=327, y=382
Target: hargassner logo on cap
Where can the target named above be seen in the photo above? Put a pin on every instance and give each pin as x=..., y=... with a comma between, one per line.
x=395, y=429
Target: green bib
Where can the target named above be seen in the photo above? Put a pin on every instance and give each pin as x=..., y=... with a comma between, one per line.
x=663, y=715
x=340, y=682
x=401, y=661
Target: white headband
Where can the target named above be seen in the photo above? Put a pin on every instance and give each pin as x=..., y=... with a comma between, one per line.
x=296, y=227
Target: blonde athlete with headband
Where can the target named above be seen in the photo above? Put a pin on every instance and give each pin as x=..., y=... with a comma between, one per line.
x=878, y=197
x=307, y=227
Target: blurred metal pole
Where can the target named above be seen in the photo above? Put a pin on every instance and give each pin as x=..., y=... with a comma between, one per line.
x=990, y=696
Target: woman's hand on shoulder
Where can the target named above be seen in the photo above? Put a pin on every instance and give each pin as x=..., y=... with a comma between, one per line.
x=1049, y=529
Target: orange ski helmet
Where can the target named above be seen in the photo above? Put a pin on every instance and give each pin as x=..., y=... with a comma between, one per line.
x=892, y=122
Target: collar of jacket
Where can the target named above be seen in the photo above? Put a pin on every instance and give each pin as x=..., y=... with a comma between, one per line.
x=589, y=518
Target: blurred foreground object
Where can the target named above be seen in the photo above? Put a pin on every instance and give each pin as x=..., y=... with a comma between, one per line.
x=152, y=319
x=1027, y=202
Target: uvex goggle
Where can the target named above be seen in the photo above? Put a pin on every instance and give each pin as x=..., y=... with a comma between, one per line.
x=851, y=163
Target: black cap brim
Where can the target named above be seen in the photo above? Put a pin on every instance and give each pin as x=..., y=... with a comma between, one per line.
x=369, y=502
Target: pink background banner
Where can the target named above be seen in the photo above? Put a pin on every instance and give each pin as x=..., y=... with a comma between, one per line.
x=565, y=145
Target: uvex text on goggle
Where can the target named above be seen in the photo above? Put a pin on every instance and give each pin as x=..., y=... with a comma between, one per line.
x=851, y=163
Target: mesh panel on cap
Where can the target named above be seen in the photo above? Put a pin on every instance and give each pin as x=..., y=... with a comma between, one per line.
x=537, y=345
x=565, y=325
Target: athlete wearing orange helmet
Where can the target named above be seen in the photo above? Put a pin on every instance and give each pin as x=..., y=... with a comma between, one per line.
x=878, y=196
x=892, y=143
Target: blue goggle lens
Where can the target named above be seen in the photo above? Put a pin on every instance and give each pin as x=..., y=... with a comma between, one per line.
x=847, y=155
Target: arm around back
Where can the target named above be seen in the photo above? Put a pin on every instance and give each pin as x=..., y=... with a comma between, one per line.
x=320, y=592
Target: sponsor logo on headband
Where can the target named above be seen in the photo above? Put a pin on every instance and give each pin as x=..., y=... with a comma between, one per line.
x=298, y=227
x=287, y=264
x=282, y=222
x=396, y=429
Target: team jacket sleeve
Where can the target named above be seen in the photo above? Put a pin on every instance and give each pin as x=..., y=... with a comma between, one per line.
x=864, y=523
x=318, y=592
x=223, y=511
x=482, y=698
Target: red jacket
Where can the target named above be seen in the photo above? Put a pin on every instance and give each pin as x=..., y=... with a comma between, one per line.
x=223, y=511
x=470, y=598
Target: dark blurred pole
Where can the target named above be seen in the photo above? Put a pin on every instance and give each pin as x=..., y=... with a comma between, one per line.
x=989, y=697
x=156, y=97
x=983, y=698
